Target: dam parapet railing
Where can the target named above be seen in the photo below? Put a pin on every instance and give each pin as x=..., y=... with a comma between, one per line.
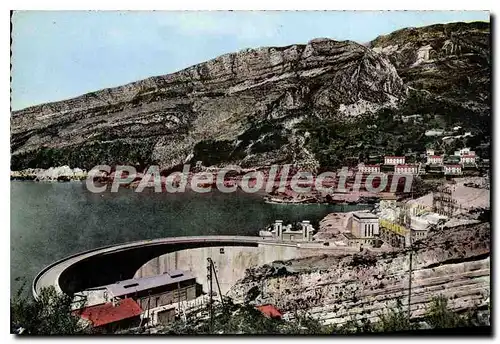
x=59, y=264
x=50, y=274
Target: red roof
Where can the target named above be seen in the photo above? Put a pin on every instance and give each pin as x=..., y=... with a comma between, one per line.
x=107, y=313
x=399, y=157
x=412, y=166
x=270, y=311
x=468, y=156
x=450, y=166
x=436, y=156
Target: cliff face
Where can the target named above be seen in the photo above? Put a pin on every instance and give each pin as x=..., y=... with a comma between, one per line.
x=450, y=63
x=454, y=263
x=239, y=108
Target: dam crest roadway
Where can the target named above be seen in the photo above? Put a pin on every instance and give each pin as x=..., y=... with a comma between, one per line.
x=109, y=264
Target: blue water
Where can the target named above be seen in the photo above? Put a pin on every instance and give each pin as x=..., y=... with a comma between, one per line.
x=52, y=220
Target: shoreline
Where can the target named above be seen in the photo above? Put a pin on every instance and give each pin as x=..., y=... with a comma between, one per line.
x=264, y=195
x=53, y=174
x=287, y=197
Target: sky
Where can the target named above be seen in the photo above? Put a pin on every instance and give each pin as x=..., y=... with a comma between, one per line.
x=57, y=55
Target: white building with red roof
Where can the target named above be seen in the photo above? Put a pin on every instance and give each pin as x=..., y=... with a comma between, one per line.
x=435, y=160
x=394, y=160
x=111, y=316
x=406, y=169
x=468, y=159
x=464, y=151
x=368, y=168
x=452, y=169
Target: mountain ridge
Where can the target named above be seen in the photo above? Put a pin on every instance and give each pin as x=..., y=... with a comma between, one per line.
x=242, y=107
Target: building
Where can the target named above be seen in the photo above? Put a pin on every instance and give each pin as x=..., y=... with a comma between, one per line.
x=387, y=199
x=468, y=159
x=368, y=168
x=435, y=160
x=406, y=169
x=394, y=160
x=416, y=118
x=452, y=169
x=429, y=151
x=156, y=295
x=364, y=229
x=434, y=132
x=464, y=151
x=422, y=222
x=418, y=234
x=90, y=297
x=407, y=222
x=155, y=291
x=394, y=233
x=365, y=225
x=484, y=163
x=451, y=160
x=434, y=169
x=280, y=232
x=110, y=317
x=270, y=311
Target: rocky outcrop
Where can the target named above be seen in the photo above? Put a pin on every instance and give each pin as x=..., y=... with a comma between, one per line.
x=450, y=63
x=453, y=262
x=333, y=225
x=61, y=173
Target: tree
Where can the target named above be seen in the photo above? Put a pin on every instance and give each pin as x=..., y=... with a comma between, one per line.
x=440, y=316
x=245, y=319
x=396, y=320
x=50, y=314
x=304, y=323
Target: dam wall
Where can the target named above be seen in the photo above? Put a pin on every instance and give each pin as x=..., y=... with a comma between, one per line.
x=230, y=261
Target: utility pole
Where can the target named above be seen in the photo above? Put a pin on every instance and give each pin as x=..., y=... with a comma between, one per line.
x=148, y=311
x=179, y=298
x=411, y=186
x=211, y=274
x=409, y=280
x=210, y=288
x=217, y=281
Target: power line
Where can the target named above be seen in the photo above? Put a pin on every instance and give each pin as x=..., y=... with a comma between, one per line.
x=217, y=282
x=409, y=280
x=210, y=302
x=212, y=272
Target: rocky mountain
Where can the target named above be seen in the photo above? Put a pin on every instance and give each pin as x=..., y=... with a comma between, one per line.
x=258, y=106
x=450, y=63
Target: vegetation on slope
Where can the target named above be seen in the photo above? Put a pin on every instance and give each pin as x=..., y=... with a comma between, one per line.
x=51, y=315
x=118, y=152
x=390, y=131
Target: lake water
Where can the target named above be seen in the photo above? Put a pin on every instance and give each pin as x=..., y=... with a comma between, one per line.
x=52, y=220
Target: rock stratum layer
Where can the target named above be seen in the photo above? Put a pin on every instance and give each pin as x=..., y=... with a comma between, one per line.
x=454, y=263
x=244, y=108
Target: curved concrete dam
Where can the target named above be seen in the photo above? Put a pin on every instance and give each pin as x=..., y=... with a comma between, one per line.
x=230, y=261
x=231, y=254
